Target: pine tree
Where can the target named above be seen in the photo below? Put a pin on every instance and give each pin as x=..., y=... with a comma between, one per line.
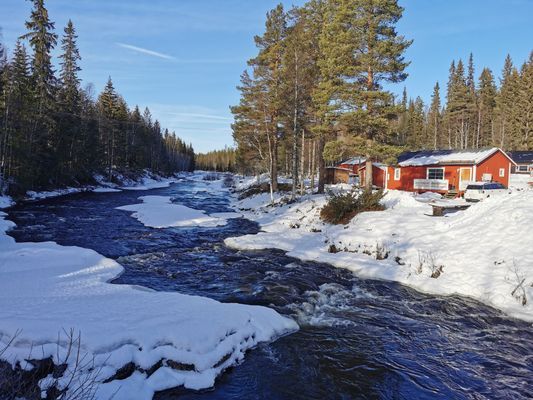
x=268, y=70
x=361, y=51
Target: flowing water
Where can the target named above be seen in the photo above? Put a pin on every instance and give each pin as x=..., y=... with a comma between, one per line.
x=359, y=338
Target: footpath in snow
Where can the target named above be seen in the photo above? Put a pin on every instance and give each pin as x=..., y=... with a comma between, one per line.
x=153, y=340
x=485, y=252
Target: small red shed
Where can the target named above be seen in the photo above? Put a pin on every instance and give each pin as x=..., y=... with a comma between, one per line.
x=448, y=170
x=379, y=174
x=353, y=164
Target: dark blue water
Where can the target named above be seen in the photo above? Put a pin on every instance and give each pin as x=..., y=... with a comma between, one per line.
x=359, y=338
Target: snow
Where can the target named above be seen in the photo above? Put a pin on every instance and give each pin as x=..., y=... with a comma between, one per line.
x=469, y=157
x=160, y=212
x=32, y=195
x=485, y=250
x=5, y=202
x=520, y=181
x=45, y=288
x=105, y=190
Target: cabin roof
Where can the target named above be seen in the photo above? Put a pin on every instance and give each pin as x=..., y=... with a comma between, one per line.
x=445, y=157
x=522, y=157
x=354, y=161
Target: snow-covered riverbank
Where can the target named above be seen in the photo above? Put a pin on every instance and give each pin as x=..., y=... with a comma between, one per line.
x=154, y=340
x=485, y=252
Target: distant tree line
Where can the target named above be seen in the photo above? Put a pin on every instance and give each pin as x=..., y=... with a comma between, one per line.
x=314, y=94
x=53, y=132
x=216, y=160
x=477, y=112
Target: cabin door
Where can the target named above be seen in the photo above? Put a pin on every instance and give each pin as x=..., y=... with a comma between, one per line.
x=465, y=177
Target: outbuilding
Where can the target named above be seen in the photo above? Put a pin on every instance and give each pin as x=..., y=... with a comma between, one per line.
x=448, y=170
x=523, y=160
x=354, y=164
x=336, y=175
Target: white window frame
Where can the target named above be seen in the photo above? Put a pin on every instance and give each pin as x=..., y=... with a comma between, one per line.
x=502, y=173
x=441, y=168
x=521, y=168
x=397, y=174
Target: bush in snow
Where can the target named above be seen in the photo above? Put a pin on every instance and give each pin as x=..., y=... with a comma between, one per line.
x=342, y=207
x=68, y=375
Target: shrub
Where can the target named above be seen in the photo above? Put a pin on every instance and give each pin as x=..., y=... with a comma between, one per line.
x=263, y=188
x=342, y=207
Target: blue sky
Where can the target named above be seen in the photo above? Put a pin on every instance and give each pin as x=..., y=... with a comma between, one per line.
x=183, y=58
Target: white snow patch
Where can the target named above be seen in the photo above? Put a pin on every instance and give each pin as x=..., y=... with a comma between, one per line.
x=160, y=212
x=45, y=287
x=5, y=202
x=105, y=190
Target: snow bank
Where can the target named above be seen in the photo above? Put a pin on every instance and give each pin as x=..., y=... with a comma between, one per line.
x=160, y=212
x=5, y=202
x=485, y=251
x=172, y=339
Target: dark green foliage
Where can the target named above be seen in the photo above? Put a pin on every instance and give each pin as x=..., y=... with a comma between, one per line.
x=54, y=133
x=342, y=207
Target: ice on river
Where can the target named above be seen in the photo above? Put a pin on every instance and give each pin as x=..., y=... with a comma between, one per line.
x=45, y=288
x=160, y=212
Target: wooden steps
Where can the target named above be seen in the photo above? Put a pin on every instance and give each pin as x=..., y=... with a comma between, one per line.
x=451, y=194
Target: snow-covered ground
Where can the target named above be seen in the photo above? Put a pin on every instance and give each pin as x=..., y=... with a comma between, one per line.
x=171, y=339
x=160, y=212
x=146, y=181
x=485, y=252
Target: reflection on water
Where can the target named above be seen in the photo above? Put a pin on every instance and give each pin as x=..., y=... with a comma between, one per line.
x=358, y=338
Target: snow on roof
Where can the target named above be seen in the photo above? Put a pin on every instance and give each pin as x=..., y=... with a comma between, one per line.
x=441, y=157
x=521, y=157
x=354, y=161
x=377, y=165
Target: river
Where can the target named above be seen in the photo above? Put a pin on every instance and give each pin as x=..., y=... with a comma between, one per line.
x=359, y=338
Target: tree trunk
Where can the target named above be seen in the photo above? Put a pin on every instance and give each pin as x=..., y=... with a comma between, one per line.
x=302, y=166
x=321, y=164
x=313, y=167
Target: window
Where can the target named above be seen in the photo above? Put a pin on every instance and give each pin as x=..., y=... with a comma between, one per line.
x=397, y=174
x=502, y=172
x=435, y=173
x=522, y=168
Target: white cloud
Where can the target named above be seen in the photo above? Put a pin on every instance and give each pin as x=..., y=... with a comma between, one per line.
x=145, y=51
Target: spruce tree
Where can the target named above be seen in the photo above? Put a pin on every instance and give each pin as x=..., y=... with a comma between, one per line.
x=434, y=119
x=486, y=95
x=69, y=143
x=524, y=105
x=42, y=40
x=506, y=105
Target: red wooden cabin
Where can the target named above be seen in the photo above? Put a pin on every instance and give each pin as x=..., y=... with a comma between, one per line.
x=448, y=170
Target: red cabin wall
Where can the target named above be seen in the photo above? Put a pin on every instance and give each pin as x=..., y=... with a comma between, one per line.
x=378, y=177
x=492, y=166
x=409, y=174
x=353, y=167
